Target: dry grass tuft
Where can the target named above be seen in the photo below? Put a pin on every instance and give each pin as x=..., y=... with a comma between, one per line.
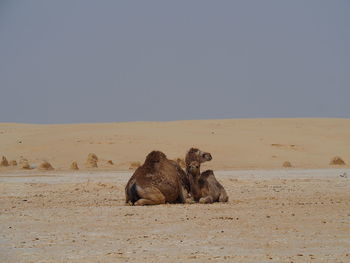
x=13, y=163
x=92, y=156
x=74, y=166
x=337, y=161
x=25, y=165
x=134, y=165
x=4, y=162
x=287, y=164
x=91, y=161
x=46, y=166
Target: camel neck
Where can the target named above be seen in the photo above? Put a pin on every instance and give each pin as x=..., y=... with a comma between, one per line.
x=195, y=189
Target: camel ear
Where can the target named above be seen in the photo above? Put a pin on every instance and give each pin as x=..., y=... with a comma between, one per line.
x=193, y=150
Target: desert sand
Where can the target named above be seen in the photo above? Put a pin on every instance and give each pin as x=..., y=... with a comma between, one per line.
x=234, y=144
x=284, y=215
x=274, y=214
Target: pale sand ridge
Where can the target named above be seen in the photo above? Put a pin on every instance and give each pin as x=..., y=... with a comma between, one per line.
x=234, y=143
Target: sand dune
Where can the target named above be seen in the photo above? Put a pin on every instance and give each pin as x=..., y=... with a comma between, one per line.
x=280, y=215
x=234, y=144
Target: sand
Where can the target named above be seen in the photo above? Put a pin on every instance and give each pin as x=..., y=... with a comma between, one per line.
x=272, y=216
x=234, y=144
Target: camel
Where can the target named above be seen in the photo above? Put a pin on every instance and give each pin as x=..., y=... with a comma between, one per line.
x=204, y=186
x=160, y=180
x=193, y=173
x=157, y=181
x=193, y=154
x=212, y=190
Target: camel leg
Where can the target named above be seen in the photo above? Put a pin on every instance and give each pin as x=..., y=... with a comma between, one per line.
x=206, y=200
x=189, y=200
x=185, y=196
x=143, y=201
x=150, y=196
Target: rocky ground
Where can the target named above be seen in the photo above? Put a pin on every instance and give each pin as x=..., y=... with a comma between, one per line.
x=272, y=216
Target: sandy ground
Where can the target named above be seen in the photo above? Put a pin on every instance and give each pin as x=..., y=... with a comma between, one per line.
x=272, y=216
x=299, y=214
x=234, y=144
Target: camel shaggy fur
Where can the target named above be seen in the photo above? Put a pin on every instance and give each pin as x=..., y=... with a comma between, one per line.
x=193, y=173
x=192, y=155
x=157, y=181
x=204, y=186
x=160, y=180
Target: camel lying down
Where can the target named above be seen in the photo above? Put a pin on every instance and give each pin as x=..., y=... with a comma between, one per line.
x=211, y=189
x=204, y=186
x=160, y=180
x=157, y=181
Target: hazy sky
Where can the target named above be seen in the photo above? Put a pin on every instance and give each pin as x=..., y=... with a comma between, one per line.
x=101, y=61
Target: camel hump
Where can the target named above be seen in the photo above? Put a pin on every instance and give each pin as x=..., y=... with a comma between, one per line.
x=207, y=173
x=155, y=157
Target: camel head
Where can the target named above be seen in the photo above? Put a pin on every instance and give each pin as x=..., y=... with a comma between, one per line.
x=195, y=154
x=204, y=157
x=194, y=167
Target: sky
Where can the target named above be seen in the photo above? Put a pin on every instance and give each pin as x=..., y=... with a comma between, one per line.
x=110, y=61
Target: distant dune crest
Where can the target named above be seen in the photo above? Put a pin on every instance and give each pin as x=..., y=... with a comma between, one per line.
x=234, y=143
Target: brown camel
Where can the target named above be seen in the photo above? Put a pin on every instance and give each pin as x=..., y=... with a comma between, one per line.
x=157, y=181
x=193, y=173
x=193, y=154
x=160, y=180
x=204, y=186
